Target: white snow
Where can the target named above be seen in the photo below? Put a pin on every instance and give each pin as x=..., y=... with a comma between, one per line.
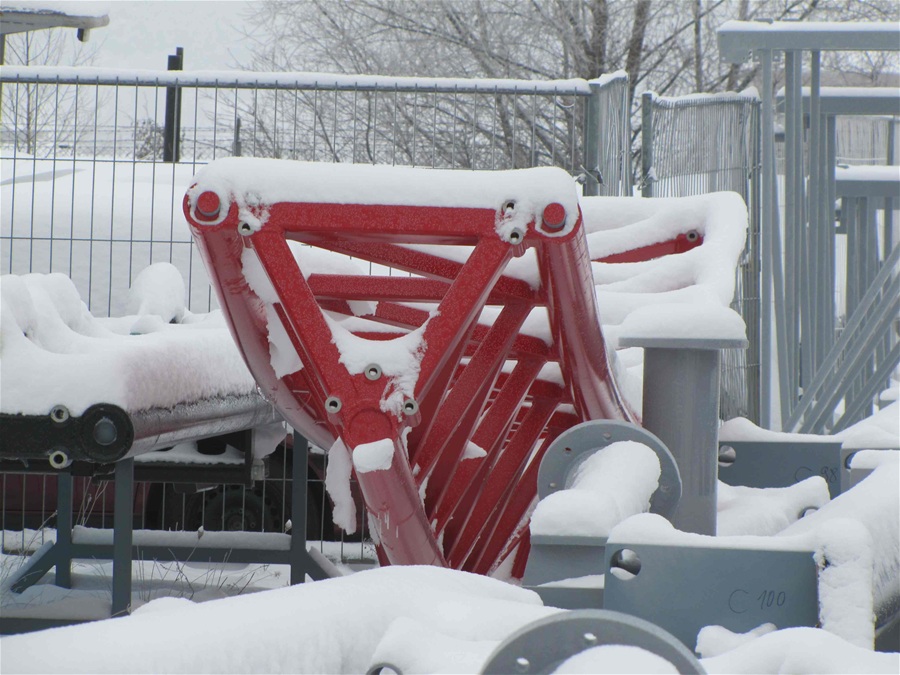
x=375, y=456
x=159, y=290
x=337, y=484
x=881, y=430
x=607, y=487
x=255, y=184
x=766, y=511
x=55, y=353
x=334, y=626
x=802, y=651
x=742, y=429
x=615, y=659
x=679, y=321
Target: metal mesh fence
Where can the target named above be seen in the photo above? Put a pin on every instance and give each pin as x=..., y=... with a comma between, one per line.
x=706, y=143
x=86, y=190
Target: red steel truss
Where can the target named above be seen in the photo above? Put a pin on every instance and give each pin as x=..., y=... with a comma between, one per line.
x=483, y=383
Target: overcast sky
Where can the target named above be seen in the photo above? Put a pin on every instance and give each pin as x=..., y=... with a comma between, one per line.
x=142, y=33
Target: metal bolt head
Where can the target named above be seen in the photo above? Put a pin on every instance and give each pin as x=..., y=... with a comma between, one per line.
x=208, y=205
x=523, y=665
x=554, y=216
x=589, y=639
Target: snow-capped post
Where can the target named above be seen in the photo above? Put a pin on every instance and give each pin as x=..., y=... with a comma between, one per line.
x=682, y=345
x=172, y=132
x=592, y=117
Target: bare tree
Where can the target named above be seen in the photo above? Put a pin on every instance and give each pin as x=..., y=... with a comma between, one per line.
x=45, y=112
x=665, y=46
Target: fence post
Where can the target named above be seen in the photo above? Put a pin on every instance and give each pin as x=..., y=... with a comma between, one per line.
x=647, y=144
x=172, y=135
x=236, y=144
x=592, y=142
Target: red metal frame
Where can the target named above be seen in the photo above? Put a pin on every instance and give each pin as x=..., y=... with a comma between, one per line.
x=477, y=383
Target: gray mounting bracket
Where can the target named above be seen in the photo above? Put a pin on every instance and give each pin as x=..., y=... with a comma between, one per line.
x=684, y=588
x=542, y=646
x=764, y=464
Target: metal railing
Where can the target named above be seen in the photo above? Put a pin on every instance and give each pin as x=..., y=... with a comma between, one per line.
x=697, y=144
x=86, y=191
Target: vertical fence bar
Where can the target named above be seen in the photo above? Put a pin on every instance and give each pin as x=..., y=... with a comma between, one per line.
x=592, y=141
x=647, y=144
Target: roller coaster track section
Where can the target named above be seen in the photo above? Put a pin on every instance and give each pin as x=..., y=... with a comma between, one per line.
x=441, y=361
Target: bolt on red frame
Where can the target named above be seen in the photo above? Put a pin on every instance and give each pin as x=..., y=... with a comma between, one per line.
x=468, y=430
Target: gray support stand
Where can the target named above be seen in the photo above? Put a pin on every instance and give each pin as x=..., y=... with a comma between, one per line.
x=681, y=407
x=64, y=530
x=122, y=538
x=302, y=560
x=298, y=509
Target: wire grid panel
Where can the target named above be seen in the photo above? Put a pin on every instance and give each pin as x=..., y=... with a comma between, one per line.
x=614, y=135
x=86, y=192
x=710, y=143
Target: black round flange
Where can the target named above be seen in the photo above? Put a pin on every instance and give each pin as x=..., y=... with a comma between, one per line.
x=106, y=433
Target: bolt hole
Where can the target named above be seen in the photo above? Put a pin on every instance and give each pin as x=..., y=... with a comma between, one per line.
x=59, y=414
x=245, y=229
x=373, y=371
x=693, y=236
x=625, y=564
x=509, y=206
x=516, y=236
x=567, y=450
x=727, y=456
x=59, y=459
x=333, y=404
x=410, y=407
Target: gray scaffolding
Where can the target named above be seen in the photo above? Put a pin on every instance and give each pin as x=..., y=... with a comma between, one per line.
x=797, y=264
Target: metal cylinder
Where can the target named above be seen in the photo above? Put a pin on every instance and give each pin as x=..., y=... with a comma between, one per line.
x=681, y=407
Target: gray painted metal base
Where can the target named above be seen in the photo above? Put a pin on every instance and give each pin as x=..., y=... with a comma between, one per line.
x=557, y=557
x=765, y=464
x=542, y=646
x=122, y=550
x=683, y=589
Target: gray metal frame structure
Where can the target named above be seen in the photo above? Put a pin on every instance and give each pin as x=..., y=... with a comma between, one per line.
x=797, y=264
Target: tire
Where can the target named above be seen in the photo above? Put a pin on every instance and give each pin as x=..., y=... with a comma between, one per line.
x=236, y=509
